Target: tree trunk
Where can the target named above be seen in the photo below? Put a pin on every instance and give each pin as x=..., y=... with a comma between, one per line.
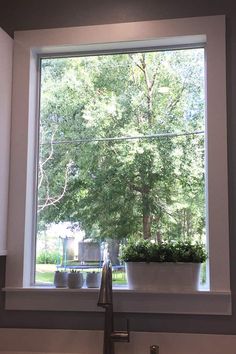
x=147, y=226
x=113, y=248
x=147, y=218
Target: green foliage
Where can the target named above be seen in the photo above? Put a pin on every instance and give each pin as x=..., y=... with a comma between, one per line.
x=147, y=251
x=46, y=257
x=115, y=188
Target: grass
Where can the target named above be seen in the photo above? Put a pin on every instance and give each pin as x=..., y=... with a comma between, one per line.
x=45, y=274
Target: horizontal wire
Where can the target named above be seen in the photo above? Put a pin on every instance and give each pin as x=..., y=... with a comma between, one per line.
x=161, y=135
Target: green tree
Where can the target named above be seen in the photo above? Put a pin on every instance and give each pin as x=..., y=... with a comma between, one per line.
x=110, y=169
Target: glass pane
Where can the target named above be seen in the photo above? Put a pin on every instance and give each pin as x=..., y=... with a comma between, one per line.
x=121, y=154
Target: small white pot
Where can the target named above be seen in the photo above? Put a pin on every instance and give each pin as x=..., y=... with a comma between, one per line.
x=60, y=279
x=163, y=277
x=93, y=280
x=75, y=280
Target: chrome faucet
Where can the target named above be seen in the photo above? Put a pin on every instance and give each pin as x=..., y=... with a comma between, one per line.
x=105, y=300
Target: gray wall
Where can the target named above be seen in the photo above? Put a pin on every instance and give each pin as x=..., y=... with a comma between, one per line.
x=36, y=14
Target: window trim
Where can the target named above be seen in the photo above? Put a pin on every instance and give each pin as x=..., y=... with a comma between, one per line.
x=129, y=301
x=209, y=31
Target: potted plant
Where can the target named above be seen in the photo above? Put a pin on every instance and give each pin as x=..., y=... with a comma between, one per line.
x=75, y=279
x=93, y=279
x=163, y=266
x=60, y=279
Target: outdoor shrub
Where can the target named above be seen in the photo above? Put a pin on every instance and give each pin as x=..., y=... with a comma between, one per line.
x=47, y=258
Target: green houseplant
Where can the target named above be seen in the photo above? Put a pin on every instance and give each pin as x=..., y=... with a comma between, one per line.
x=163, y=266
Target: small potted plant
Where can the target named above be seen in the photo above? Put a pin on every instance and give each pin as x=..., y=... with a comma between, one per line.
x=60, y=279
x=75, y=279
x=163, y=266
x=93, y=279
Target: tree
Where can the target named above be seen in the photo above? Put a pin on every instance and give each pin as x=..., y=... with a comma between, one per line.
x=143, y=184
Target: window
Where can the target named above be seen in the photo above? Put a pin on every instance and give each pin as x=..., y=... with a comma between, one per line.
x=121, y=153
x=206, y=32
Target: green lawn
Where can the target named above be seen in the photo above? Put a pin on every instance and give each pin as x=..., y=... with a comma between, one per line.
x=45, y=273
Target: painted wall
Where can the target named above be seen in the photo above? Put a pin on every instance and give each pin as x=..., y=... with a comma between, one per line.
x=32, y=14
x=31, y=341
x=6, y=51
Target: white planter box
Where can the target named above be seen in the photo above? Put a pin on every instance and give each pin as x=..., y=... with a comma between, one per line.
x=155, y=276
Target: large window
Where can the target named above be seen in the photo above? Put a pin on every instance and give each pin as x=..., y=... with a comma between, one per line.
x=154, y=120
x=121, y=154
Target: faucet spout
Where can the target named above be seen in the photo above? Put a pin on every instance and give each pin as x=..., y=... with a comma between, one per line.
x=105, y=300
x=105, y=293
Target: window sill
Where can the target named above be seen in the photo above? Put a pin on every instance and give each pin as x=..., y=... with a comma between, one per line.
x=125, y=300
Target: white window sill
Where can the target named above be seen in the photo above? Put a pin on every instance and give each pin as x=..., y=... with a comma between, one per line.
x=125, y=300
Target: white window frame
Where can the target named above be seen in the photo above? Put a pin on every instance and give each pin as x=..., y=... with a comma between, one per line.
x=208, y=31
